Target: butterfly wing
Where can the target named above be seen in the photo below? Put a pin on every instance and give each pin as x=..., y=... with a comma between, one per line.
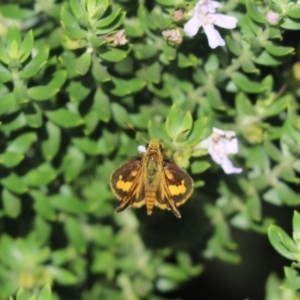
x=175, y=188
x=127, y=185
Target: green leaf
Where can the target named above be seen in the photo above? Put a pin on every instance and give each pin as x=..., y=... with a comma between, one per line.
x=86, y=145
x=11, y=204
x=68, y=203
x=214, y=98
x=22, y=143
x=296, y=226
x=3, y=54
x=173, y=121
x=83, y=63
x=78, y=91
x=266, y=59
x=35, y=64
x=198, y=167
x=42, y=205
x=292, y=281
x=42, y=229
x=243, y=105
x=282, y=243
x=46, y=92
x=172, y=272
x=234, y=46
x=104, y=22
x=5, y=76
x=152, y=73
x=294, y=11
x=142, y=51
x=14, y=183
x=51, y=145
x=41, y=175
x=73, y=163
x=126, y=87
x=185, y=61
x=45, y=293
x=13, y=40
x=249, y=67
x=261, y=182
x=26, y=46
x=247, y=85
x=287, y=195
x=254, y=13
x=101, y=8
x=113, y=26
x=20, y=94
x=75, y=234
x=65, y=118
x=199, y=131
x=8, y=102
x=168, y=2
x=22, y=295
x=272, y=151
x=278, y=106
x=120, y=115
x=288, y=23
x=77, y=8
x=62, y=276
x=104, y=262
x=278, y=50
x=169, y=51
x=113, y=54
x=15, y=124
x=254, y=209
x=33, y=115
x=100, y=72
x=133, y=28
x=11, y=159
x=70, y=25
x=102, y=105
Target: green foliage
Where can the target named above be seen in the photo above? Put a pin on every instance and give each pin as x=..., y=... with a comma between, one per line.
x=289, y=248
x=73, y=74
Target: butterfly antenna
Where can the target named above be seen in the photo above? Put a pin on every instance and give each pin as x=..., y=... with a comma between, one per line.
x=131, y=127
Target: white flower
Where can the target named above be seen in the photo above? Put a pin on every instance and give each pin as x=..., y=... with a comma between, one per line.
x=205, y=15
x=219, y=145
x=141, y=149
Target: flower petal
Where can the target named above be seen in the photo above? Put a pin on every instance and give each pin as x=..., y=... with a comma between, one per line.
x=204, y=144
x=192, y=26
x=218, y=131
x=141, y=149
x=216, y=156
x=207, y=6
x=213, y=36
x=228, y=167
x=231, y=146
x=224, y=21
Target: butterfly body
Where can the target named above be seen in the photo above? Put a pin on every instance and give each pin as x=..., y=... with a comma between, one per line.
x=151, y=180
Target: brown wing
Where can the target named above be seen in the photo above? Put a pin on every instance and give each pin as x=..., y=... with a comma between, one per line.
x=175, y=188
x=126, y=183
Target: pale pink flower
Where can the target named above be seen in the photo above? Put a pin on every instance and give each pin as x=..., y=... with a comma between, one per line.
x=204, y=15
x=272, y=17
x=219, y=145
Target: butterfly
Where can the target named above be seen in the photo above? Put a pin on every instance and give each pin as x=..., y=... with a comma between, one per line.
x=152, y=180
